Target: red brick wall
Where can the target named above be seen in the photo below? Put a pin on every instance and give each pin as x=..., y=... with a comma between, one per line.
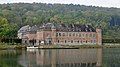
x=31, y=36
x=77, y=38
x=39, y=35
x=99, y=36
x=89, y=37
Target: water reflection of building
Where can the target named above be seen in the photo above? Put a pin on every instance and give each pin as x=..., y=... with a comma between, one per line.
x=65, y=58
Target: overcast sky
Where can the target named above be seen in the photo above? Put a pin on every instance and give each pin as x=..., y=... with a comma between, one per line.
x=103, y=3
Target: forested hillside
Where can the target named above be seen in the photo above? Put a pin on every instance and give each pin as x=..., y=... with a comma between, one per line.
x=15, y=15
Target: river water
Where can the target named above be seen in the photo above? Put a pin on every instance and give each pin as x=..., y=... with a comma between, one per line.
x=107, y=57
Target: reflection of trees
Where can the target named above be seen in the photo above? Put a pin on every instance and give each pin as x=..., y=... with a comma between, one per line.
x=111, y=57
x=9, y=58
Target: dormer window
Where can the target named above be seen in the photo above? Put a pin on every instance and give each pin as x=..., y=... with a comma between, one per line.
x=80, y=30
x=86, y=29
x=43, y=26
x=90, y=30
x=87, y=26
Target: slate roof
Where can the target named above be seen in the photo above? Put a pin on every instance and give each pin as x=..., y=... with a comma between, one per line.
x=68, y=27
x=24, y=29
x=28, y=29
x=58, y=26
x=33, y=29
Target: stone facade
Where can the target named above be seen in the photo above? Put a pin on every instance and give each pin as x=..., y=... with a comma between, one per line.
x=61, y=34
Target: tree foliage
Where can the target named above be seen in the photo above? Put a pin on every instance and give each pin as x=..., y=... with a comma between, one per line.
x=16, y=15
x=6, y=29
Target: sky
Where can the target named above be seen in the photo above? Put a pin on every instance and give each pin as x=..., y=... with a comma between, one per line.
x=101, y=3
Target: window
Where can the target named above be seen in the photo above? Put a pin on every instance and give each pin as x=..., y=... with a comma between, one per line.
x=77, y=41
x=86, y=35
x=83, y=35
x=71, y=41
x=56, y=34
x=69, y=34
x=65, y=41
x=58, y=41
x=79, y=35
x=94, y=41
x=81, y=41
x=90, y=35
x=91, y=41
x=93, y=35
x=59, y=34
x=73, y=34
x=25, y=41
x=39, y=41
x=63, y=34
x=76, y=34
x=86, y=41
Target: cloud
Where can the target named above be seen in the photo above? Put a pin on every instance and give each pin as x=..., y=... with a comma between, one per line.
x=104, y=3
x=3, y=1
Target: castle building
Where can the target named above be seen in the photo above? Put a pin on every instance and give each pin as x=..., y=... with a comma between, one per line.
x=62, y=34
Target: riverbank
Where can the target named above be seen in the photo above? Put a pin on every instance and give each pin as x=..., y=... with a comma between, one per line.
x=15, y=46
x=19, y=46
x=68, y=46
x=78, y=46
